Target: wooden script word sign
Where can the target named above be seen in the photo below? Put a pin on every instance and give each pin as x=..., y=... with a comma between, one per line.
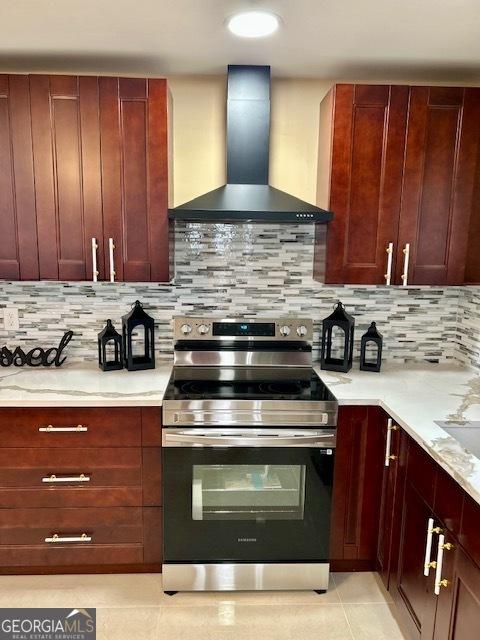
x=36, y=357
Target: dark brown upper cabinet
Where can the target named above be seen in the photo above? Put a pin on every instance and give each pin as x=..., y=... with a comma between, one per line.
x=134, y=159
x=362, y=141
x=438, y=185
x=68, y=185
x=18, y=229
x=84, y=190
x=399, y=166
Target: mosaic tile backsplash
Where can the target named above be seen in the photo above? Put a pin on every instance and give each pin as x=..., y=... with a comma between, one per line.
x=468, y=323
x=248, y=270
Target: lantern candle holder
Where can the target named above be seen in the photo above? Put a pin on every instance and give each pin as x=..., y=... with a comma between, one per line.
x=110, y=349
x=337, y=338
x=138, y=329
x=371, y=345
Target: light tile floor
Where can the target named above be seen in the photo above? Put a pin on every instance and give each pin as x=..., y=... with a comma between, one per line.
x=134, y=607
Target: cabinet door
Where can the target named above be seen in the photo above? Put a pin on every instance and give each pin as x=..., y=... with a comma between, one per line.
x=356, y=495
x=411, y=590
x=458, y=603
x=66, y=147
x=133, y=116
x=18, y=228
x=438, y=186
x=391, y=442
x=368, y=140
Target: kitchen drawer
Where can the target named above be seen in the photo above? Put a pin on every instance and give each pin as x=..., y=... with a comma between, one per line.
x=65, y=556
x=82, y=477
x=92, y=427
x=116, y=525
x=71, y=497
x=107, y=467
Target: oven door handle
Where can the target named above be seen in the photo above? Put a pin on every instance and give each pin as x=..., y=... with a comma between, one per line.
x=227, y=417
x=326, y=440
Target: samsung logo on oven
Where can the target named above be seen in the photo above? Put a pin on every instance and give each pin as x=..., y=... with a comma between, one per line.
x=246, y=539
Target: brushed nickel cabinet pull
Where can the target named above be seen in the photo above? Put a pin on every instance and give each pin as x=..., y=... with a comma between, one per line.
x=55, y=538
x=94, y=260
x=388, y=445
x=54, y=479
x=439, y=581
x=111, y=247
x=427, y=565
x=406, y=260
x=51, y=429
x=388, y=275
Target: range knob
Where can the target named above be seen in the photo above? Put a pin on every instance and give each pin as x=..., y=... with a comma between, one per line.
x=186, y=329
x=203, y=329
x=285, y=330
x=302, y=330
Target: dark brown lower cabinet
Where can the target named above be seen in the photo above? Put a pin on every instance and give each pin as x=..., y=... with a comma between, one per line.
x=458, y=603
x=356, y=493
x=80, y=490
x=390, y=497
x=411, y=590
x=391, y=445
x=430, y=506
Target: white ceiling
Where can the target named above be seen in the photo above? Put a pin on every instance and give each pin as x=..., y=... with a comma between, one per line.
x=342, y=39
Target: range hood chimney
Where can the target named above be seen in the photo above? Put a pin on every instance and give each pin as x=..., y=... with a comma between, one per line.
x=247, y=196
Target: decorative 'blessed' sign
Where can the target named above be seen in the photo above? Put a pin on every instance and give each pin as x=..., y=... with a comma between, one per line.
x=36, y=357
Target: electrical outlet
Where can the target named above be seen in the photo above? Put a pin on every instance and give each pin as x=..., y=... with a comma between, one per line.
x=10, y=319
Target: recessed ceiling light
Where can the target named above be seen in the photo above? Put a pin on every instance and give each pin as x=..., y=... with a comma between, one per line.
x=253, y=24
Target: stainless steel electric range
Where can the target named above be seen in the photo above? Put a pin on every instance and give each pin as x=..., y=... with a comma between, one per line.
x=248, y=457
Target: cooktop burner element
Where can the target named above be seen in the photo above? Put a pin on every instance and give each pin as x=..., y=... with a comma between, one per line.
x=265, y=384
x=281, y=388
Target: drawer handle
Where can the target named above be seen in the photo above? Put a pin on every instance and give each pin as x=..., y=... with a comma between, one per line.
x=84, y=537
x=51, y=429
x=56, y=479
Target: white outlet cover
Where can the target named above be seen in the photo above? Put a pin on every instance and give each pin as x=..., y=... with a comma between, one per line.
x=10, y=319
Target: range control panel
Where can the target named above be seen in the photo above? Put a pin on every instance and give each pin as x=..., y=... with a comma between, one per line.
x=255, y=329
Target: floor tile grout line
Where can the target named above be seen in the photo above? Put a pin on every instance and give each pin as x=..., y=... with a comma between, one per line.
x=348, y=621
x=343, y=608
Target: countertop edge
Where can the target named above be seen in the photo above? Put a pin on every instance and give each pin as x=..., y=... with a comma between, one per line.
x=83, y=397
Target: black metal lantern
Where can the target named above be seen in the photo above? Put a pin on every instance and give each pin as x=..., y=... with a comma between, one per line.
x=337, y=340
x=110, y=349
x=138, y=339
x=371, y=349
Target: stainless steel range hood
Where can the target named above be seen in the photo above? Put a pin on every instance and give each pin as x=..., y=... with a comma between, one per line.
x=247, y=196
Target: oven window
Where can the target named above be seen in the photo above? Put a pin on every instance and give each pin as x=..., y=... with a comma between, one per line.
x=248, y=492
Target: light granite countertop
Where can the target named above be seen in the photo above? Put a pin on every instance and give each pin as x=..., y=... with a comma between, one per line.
x=415, y=395
x=82, y=385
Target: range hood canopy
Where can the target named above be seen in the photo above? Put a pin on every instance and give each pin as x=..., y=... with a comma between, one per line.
x=247, y=196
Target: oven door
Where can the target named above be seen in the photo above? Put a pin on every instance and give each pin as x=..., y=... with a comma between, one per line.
x=247, y=496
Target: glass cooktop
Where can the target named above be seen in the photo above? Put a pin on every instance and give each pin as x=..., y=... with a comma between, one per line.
x=204, y=383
